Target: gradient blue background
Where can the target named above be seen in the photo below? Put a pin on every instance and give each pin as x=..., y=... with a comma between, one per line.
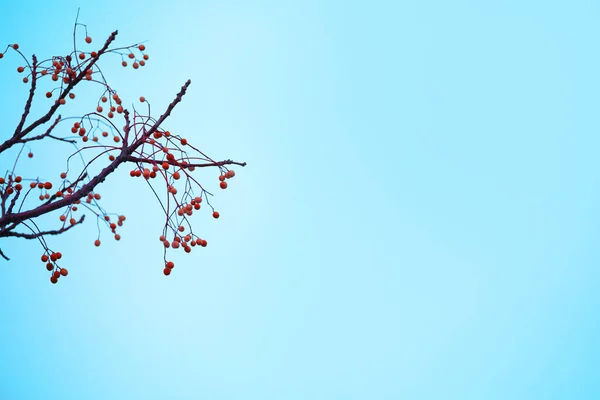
x=419, y=217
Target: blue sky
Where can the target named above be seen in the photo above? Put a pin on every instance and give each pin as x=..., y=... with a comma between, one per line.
x=418, y=219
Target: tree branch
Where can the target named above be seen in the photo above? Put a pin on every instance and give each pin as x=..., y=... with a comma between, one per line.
x=20, y=133
x=177, y=164
x=47, y=134
x=30, y=98
x=42, y=233
x=17, y=218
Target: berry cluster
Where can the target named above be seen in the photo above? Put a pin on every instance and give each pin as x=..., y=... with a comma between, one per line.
x=50, y=258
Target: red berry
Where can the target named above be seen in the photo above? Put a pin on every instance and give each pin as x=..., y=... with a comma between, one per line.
x=53, y=279
x=216, y=214
x=223, y=185
x=167, y=271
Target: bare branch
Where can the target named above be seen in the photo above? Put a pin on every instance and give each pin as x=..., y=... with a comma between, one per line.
x=42, y=233
x=30, y=98
x=47, y=134
x=187, y=165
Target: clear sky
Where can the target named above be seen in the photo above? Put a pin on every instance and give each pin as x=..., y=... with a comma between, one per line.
x=419, y=217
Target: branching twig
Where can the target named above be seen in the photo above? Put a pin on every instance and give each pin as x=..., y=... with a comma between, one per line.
x=178, y=164
x=43, y=233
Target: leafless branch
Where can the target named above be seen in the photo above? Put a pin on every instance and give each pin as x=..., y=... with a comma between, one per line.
x=178, y=164
x=42, y=233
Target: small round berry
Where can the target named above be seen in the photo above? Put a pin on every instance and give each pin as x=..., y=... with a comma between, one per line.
x=97, y=242
x=88, y=39
x=167, y=271
x=216, y=214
